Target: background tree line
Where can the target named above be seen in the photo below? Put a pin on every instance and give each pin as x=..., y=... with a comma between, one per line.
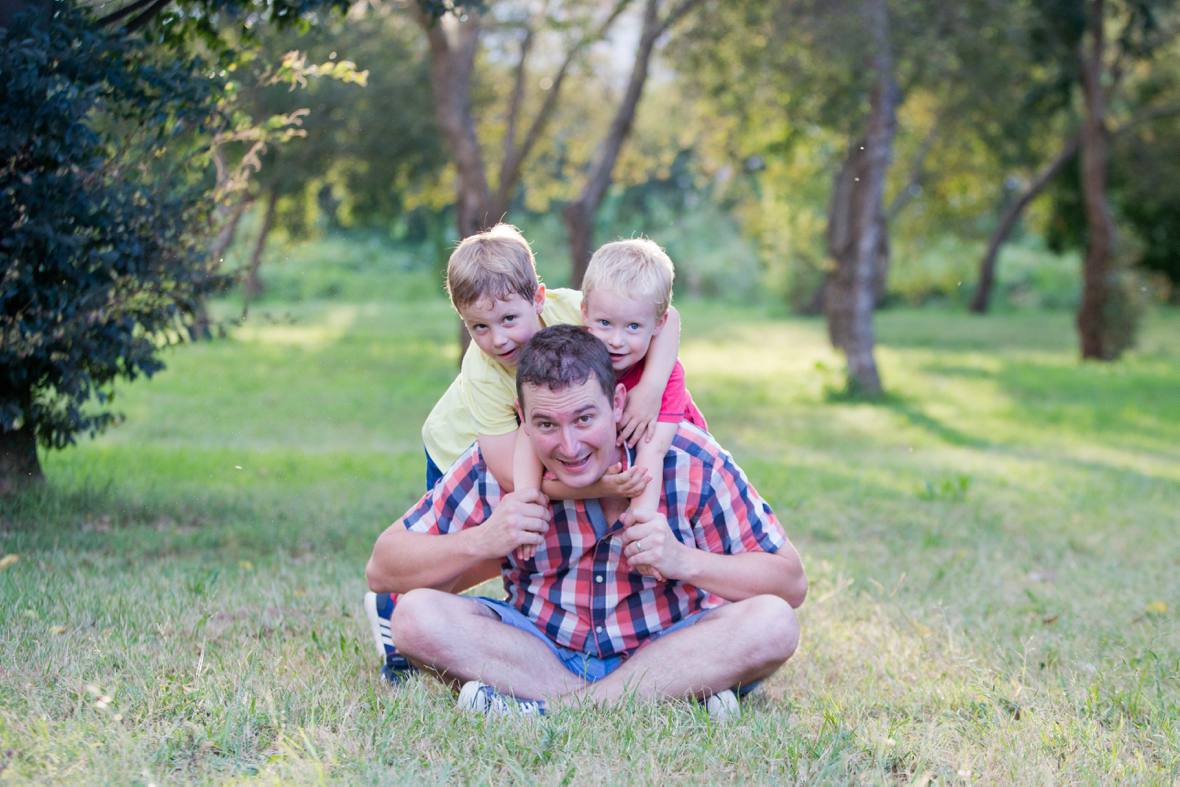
x=838, y=142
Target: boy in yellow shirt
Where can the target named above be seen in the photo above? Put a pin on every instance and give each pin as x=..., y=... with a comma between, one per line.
x=493, y=285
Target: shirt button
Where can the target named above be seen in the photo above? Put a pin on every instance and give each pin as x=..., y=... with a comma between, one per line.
x=599, y=629
x=598, y=579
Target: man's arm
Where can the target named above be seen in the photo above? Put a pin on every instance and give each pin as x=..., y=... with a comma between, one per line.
x=648, y=541
x=403, y=560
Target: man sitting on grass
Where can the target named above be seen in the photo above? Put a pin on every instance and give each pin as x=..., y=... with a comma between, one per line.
x=580, y=623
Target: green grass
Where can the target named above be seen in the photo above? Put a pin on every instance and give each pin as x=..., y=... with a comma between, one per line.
x=994, y=555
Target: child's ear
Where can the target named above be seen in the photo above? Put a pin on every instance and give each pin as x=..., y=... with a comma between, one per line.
x=661, y=321
x=539, y=298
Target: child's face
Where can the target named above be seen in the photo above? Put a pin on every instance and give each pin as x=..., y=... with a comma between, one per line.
x=625, y=325
x=502, y=327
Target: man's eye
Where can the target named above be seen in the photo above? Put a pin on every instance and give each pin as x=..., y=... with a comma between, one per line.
x=585, y=419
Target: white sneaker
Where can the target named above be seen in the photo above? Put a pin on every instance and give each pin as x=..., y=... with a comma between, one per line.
x=482, y=698
x=723, y=706
x=377, y=624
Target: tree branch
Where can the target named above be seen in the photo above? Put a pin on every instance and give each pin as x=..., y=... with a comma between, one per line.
x=139, y=22
x=125, y=11
x=511, y=166
x=675, y=15
x=514, y=104
x=917, y=171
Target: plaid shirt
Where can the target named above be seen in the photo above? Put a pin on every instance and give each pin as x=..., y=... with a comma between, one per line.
x=578, y=588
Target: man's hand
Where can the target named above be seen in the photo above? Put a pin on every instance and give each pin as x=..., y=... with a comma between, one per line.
x=640, y=414
x=650, y=547
x=520, y=519
x=625, y=483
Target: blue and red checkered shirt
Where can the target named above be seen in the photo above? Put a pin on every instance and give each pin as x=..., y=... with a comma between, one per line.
x=578, y=588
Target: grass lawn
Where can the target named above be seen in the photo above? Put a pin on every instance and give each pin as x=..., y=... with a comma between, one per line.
x=994, y=556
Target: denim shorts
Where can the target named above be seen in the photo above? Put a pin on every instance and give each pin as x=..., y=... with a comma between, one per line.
x=433, y=474
x=588, y=667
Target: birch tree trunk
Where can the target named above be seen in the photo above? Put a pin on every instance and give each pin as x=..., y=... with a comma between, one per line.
x=855, y=240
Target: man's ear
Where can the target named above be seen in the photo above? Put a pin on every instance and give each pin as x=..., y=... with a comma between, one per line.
x=539, y=298
x=519, y=412
x=619, y=401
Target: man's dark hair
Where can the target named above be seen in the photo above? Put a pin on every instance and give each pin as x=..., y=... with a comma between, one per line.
x=564, y=355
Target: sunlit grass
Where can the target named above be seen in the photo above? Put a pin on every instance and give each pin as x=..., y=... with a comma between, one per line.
x=994, y=553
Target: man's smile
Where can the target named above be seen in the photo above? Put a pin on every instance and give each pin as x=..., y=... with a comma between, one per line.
x=575, y=465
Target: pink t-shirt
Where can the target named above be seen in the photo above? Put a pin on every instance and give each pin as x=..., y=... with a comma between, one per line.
x=677, y=404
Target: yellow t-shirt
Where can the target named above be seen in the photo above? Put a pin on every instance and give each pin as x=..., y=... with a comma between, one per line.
x=481, y=398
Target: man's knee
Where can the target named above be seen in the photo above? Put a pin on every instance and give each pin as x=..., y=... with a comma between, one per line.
x=774, y=627
x=417, y=620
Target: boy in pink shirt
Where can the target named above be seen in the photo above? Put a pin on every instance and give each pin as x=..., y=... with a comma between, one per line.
x=626, y=294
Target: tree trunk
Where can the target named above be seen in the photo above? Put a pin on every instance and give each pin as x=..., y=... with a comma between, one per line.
x=579, y=214
x=252, y=283
x=987, y=266
x=19, y=465
x=1100, y=232
x=857, y=213
x=453, y=43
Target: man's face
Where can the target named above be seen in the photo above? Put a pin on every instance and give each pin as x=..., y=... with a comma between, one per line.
x=625, y=325
x=502, y=327
x=573, y=430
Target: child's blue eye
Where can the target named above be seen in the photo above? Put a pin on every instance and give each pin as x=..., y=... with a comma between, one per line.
x=634, y=326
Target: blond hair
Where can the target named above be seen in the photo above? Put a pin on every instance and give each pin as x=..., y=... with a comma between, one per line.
x=493, y=264
x=637, y=268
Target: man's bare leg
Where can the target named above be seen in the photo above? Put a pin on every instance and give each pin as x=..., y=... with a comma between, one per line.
x=464, y=640
x=737, y=643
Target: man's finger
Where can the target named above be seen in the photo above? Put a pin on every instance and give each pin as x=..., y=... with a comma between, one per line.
x=533, y=524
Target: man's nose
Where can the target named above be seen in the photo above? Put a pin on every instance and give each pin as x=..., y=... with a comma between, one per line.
x=569, y=442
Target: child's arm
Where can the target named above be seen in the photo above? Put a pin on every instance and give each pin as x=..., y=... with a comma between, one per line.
x=499, y=454
x=526, y=474
x=616, y=483
x=650, y=458
x=643, y=401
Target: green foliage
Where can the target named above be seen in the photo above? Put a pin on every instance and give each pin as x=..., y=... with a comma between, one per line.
x=103, y=197
x=366, y=147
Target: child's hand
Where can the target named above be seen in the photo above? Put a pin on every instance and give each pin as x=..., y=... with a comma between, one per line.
x=639, y=416
x=628, y=483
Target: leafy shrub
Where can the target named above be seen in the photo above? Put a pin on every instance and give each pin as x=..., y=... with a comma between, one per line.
x=102, y=203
